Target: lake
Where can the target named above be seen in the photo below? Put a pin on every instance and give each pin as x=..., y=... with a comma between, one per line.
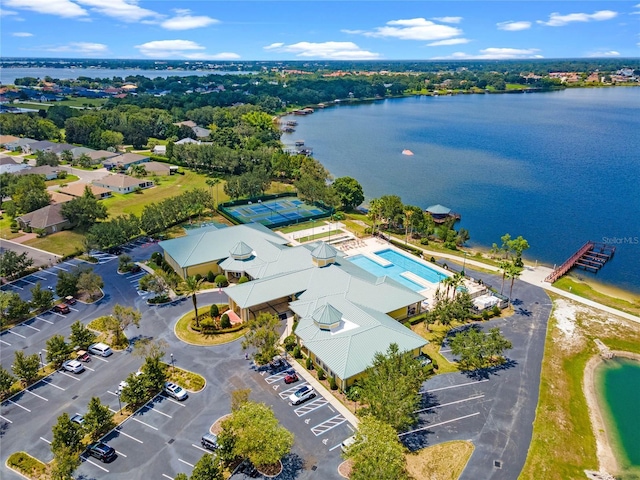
x=559, y=168
x=9, y=75
x=619, y=386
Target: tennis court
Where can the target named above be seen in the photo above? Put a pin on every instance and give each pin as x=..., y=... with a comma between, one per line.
x=275, y=211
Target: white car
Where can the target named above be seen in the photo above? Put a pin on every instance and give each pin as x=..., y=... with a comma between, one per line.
x=73, y=366
x=347, y=443
x=302, y=395
x=175, y=391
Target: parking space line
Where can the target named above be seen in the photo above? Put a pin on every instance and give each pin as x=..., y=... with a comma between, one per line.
x=275, y=377
x=60, y=268
x=438, y=424
x=186, y=463
x=101, y=359
x=11, y=331
x=127, y=435
x=95, y=464
x=334, y=447
x=70, y=264
x=327, y=425
x=7, y=420
x=41, y=278
x=120, y=453
x=70, y=376
x=46, y=321
x=14, y=286
x=286, y=393
x=452, y=386
x=18, y=405
x=36, y=395
x=29, y=326
x=48, y=382
x=112, y=393
x=56, y=313
x=50, y=273
x=27, y=281
x=310, y=407
x=73, y=309
x=450, y=403
x=200, y=448
x=172, y=400
x=89, y=368
x=6, y=343
x=167, y=476
x=45, y=440
x=143, y=423
x=158, y=411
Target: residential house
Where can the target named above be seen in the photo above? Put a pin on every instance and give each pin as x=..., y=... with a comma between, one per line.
x=9, y=165
x=77, y=189
x=97, y=156
x=58, y=197
x=120, y=183
x=158, y=168
x=201, y=132
x=48, y=218
x=159, y=150
x=20, y=144
x=47, y=146
x=49, y=172
x=124, y=161
x=4, y=139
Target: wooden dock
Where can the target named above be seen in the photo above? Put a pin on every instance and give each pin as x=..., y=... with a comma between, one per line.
x=591, y=256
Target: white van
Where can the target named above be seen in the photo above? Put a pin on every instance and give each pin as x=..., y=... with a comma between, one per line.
x=100, y=349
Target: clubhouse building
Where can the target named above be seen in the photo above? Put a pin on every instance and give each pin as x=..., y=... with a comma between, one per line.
x=345, y=314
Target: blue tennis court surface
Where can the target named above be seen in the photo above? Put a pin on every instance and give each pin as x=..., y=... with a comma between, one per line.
x=275, y=211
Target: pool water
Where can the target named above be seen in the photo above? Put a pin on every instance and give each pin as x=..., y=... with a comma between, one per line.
x=399, y=264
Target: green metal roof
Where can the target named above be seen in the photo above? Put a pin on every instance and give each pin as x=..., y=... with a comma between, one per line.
x=327, y=316
x=241, y=250
x=324, y=251
x=438, y=210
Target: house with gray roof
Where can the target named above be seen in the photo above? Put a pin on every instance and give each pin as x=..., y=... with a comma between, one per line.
x=49, y=172
x=124, y=161
x=346, y=314
x=9, y=165
x=47, y=218
x=20, y=144
x=47, y=146
x=120, y=183
x=96, y=156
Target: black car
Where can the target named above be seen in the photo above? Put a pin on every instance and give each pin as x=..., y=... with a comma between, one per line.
x=102, y=452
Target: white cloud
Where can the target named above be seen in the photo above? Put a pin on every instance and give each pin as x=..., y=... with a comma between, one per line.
x=22, y=34
x=450, y=41
x=557, y=20
x=6, y=13
x=325, y=50
x=168, y=49
x=512, y=26
x=61, y=8
x=448, y=19
x=185, y=21
x=82, y=48
x=124, y=10
x=415, y=29
x=604, y=53
x=495, y=54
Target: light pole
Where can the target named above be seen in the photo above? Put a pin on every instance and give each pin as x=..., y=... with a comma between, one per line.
x=313, y=227
x=41, y=364
x=119, y=403
x=172, y=364
x=464, y=263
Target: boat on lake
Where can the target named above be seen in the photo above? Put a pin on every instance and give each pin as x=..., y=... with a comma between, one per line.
x=407, y=152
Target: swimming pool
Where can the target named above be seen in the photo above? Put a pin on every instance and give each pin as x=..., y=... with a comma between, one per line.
x=398, y=264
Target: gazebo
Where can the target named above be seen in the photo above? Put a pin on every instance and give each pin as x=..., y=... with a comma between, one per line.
x=441, y=214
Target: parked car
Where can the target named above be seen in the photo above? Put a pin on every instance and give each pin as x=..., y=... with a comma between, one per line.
x=83, y=356
x=69, y=300
x=291, y=377
x=73, y=366
x=278, y=364
x=209, y=441
x=302, y=395
x=61, y=308
x=423, y=359
x=348, y=442
x=136, y=269
x=100, y=349
x=175, y=391
x=102, y=452
x=79, y=419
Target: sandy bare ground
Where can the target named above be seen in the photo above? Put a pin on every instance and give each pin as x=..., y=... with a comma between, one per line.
x=606, y=459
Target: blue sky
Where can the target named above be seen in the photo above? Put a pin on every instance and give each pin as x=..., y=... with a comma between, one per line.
x=312, y=30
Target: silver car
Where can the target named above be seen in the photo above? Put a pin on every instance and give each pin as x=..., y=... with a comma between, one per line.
x=73, y=366
x=302, y=395
x=175, y=391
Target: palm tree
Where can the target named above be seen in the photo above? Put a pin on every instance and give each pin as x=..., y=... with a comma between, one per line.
x=447, y=282
x=191, y=285
x=456, y=281
x=374, y=212
x=407, y=215
x=512, y=272
x=504, y=265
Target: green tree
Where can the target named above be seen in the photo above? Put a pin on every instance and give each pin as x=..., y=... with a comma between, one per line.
x=476, y=349
x=377, y=453
x=98, y=420
x=57, y=350
x=84, y=211
x=66, y=434
x=155, y=374
x=91, y=283
x=517, y=246
x=30, y=193
x=17, y=309
x=312, y=184
x=257, y=435
x=41, y=299
x=67, y=284
x=80, y=335
x=181, y=476
x=512, y=272
x=124, y=317
x=263, y=336
x=14, y=265
x=136, y=392
x=46, y=158
x=6, y=381
x=391, y=385
x=349, y=192
x=26, y=367
x=207, y=468
x=191, y=286
x=65, y=462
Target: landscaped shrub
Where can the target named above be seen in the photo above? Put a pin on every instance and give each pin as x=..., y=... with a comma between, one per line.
x=309, y=363
x=432, y=260
x=159, y=299
x=225, y=321
x=434, y=362
x=221, y=281
x=27, y=465
x=428, y=369
x=321, y=374
x=214, y=312
x=242, y=279
x=207, y=325
x=424, y=241
x=496, y=310
x=198, y=277
x=290, y=343
x=332, y=383
x=486, y=315
x=211, y=277
x=297, y=352
x=156, y=257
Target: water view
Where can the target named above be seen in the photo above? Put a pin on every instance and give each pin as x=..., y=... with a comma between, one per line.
x=559, y=168
x=619, y=385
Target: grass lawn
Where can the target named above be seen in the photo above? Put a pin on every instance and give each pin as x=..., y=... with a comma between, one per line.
x=630, y=303
x=563, y=443
x=436, y=335
x=62, y=181
x=5, y=229
x=184, y=333
x=61, y=243
x=444, y=461
x=188, y=380
x=28, y=466
x=317, y=236
x=300, y=226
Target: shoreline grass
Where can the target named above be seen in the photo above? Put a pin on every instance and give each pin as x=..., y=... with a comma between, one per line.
x=587, y=290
